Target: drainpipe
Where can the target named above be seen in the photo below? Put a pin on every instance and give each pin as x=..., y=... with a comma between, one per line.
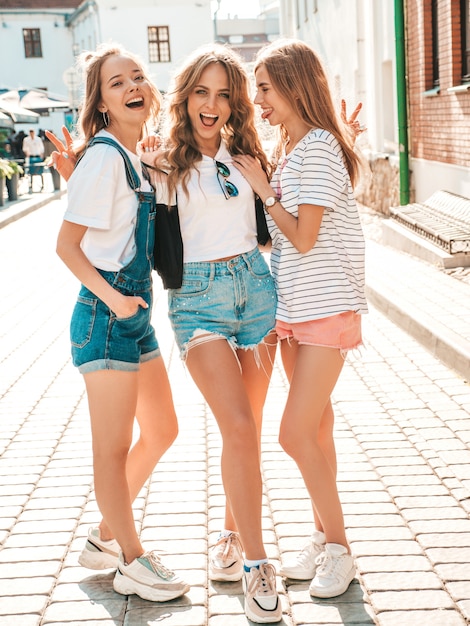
x=402, y=102
x=216, y=35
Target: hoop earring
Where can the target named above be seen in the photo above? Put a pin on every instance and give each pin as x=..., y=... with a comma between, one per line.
x=105, y=118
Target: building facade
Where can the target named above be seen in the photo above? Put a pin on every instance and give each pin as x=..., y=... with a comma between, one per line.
x=40, y=40
x=35, y=49
x=360, y=45
x=161, y=32
x=355, y=40
x=438, y=61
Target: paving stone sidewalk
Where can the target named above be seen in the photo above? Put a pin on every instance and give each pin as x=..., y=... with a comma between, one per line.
x=402, y=432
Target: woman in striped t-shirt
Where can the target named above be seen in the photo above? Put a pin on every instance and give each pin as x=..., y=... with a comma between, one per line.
x=318, y=266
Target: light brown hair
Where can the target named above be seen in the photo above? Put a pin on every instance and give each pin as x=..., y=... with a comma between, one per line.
x=239, y=132
x=298, y=76
x=91, y=119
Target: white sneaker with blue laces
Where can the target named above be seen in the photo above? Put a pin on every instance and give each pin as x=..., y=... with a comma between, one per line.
x=99, y=554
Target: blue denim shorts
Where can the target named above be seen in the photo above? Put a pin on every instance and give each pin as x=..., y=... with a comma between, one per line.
x=100, y=340
x=234, y=299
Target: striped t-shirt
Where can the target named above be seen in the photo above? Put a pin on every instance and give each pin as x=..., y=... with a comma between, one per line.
x=329, y=279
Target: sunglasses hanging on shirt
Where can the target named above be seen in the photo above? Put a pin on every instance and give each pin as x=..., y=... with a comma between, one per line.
x=223, y=172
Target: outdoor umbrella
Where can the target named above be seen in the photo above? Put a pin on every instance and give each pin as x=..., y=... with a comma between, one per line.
x=35, y=99
x=5, y=121
x=17, y=113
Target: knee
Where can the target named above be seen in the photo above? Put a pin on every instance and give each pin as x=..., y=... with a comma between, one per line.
x=291, y=441
x=110, y=454
x=241, y=435
x=163, y=434
x=170, y=433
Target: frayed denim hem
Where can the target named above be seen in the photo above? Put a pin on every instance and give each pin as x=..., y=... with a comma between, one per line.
x=201, y=336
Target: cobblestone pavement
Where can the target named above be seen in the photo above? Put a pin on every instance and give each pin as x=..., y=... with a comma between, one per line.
x=402, y=432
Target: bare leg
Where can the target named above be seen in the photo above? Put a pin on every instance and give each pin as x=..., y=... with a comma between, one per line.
x=112, y=398
x=325, y=432
x=256, y=378
x=306, y=430
x=158, y=425
x=215, y=370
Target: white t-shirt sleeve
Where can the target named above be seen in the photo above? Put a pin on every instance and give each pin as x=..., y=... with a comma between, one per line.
x=91, y=188
x=323, y=172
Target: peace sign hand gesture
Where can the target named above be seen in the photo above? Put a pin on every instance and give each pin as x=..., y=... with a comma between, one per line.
x=354, y=125
x=64, y=158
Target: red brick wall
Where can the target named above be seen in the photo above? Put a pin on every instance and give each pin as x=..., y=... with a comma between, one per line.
x=439, y=125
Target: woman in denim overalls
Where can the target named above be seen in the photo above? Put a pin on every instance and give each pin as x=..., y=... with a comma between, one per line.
x=106, y=240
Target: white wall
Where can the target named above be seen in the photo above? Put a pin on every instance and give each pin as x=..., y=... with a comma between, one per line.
x=185, y=34
x=44, y=72
x=126, y=21
x=428, y=176
x=355, y=39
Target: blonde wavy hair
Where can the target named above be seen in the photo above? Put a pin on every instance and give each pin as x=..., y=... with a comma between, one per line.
x=298, y=76
x=90, y=120
x=239, y=133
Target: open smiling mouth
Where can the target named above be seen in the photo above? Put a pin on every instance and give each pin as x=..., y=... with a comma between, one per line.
x=266, y=113
x=208, y=120
x=136, y=103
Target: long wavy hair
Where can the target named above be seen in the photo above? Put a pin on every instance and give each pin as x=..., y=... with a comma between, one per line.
x=239, y=132
x=298, y=76
x=90, y=120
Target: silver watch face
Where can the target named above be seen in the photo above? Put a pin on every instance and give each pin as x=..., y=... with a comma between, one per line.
x=270, y=201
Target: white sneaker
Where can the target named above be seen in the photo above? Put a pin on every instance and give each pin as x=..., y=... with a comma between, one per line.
x=262, y=603
x=303, y=566
x=99, y=554
x=148, y=578
x=226, y=559
x=335, y=571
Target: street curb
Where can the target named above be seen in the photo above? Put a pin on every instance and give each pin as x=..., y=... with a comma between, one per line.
x=447, y=346
x=15, y=211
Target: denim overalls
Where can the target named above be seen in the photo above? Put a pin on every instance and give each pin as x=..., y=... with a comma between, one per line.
x=99, y=339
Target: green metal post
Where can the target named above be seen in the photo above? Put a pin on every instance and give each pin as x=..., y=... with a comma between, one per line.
x=402, y=102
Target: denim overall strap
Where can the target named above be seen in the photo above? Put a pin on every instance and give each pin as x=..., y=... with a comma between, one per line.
x=132, y=176
x=136, y=276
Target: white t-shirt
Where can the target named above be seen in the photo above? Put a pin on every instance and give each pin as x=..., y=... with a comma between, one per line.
x=212, y=226
x=330, y=278
x=33, y=147
x=99, y=197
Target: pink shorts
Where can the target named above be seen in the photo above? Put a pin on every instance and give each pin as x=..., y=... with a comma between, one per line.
x=342, y=331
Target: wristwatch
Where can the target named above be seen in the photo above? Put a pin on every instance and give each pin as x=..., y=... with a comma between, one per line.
x=269, y=202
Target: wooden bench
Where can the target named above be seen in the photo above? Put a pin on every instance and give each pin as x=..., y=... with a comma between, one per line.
x=443, y=219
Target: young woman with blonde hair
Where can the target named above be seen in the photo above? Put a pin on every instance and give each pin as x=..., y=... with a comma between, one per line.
x=106, y=240
x=318, y=264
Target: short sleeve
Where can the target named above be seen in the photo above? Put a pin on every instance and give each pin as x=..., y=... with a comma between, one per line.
x=92, y=187
x=323, y=173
